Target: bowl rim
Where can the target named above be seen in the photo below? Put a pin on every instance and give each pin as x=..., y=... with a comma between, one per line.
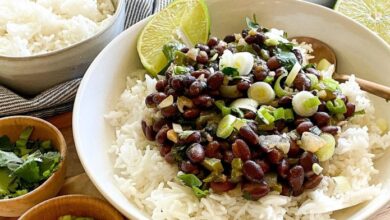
x=114, y=18
x=62, y=149
x=86, y=199
x=89, y=74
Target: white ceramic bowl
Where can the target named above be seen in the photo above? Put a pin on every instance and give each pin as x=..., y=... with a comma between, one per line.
x=358, y=50
x=33, y=74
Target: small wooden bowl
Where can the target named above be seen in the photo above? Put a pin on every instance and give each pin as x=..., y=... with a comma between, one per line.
x=12, y=127
x=76, y=205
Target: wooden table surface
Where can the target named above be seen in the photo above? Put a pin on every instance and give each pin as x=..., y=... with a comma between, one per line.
x=78, y=182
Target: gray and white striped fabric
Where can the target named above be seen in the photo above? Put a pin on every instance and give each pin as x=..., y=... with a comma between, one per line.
x=60, y=98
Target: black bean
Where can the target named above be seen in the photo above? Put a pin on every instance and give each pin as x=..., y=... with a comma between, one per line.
x=273, y=63
x=294, y=150
x=148, y=131
x=157, y=125
x=283, y=168
x=220, y=187
x=295, y=178
x=314, y=72
x=243, y=86
x=298, y=120
x=220, y=49
x=255, y=191
x=195, y=153
x=298, y=55
x=169, y=157
x=241, y=150
x=280, y=125
x=250, y=39
x=184, y=49
x=264, y=165
x=149, y=101
x=229, y=38
x=260, y=75
x=159, y=97
x=301, y=82
x=188, y=167
x=252, y=171
x=161, y=135
x=256, y=48
x=260, y=38
x=322, y=107
x=350, y=110
x=196, y=88
x=212, y=149
x=280, y=71
x=215, y=80
x=304, y=126
x=285, y=102
x=333, y=130
x=307, y=160
x=165, y=149
x=203, y=101
x=191, y=113
x=249, y=135
x=161, y=84
x=244, y=33
x=188, y=80
x=177, y=83
x=172, y=92
x=170, y=111
x=202, y=57
x=250, y=115
x=198, y=73
x=312, y=182
x=212, y=42
x=203, y=47
x=193, y=138
x=286, y=190
x=274, y=156
x=321, y=119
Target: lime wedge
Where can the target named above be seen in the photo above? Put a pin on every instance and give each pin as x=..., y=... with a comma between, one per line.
x=186, y=21
x=374, y=14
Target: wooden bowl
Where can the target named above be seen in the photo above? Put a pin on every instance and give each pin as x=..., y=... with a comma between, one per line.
x=13, y=126
x=76, y=205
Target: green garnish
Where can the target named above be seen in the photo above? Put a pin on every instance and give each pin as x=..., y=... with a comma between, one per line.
x=236, y=173
x=287, y=59
x=336, y=107
x=170, y=48
x=25, y=164
x=311, y=102
x=194, y=182
x=265, y=116
x=221, y=106
x=230, y=71
x=252, y=24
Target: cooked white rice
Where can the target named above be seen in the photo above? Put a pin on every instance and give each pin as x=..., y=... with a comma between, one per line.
x=30, y=27
x=149, y=182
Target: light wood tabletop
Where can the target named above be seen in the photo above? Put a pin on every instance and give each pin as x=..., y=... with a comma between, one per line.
x=78, y=182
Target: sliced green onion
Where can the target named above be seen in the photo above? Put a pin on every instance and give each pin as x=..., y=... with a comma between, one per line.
x=178, y=70
x=245, y=103
x=264, y=54
x=236, y=173
x=336, y=107
x=269, y=79
x=265, y=116
x=261, y=92
x=311, y=142
x=213, y=164
x=280, y=92
x=311, y=102
x=225, y=126
x=330, y=84
x=271, y=42
x=180, y=58
x=279, y=114
x=289, y=115
x=238, y=112
x=313, y=80
x=293, y=74
x=301, y=107
x=323, y=65
x=326, y=152
x=240, y=122
x=221, y=106
x=200, y=193
x=230, y=91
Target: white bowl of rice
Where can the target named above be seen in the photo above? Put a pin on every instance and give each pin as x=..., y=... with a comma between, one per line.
x=46, y=42
x=132, y=175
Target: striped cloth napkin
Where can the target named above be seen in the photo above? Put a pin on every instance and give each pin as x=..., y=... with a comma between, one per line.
x=60, y=98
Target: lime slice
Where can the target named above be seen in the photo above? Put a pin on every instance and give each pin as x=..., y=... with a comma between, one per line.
x=374, y=14
x=184, y=20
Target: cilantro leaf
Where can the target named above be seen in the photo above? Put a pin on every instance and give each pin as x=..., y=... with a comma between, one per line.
x=28, y=171
x=230, y=71
x=9, y=160
x=170, y=48
x=5, y=144
x=286, y=59
x=49, y=163
x=199, y=193
x=190, y=180
x=252, y=23
x=286, y=46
